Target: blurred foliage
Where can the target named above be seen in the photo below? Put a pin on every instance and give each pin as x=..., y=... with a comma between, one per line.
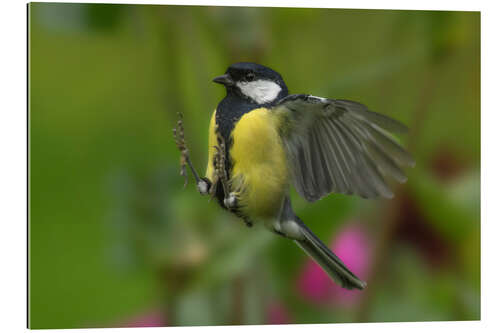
x=112, y=231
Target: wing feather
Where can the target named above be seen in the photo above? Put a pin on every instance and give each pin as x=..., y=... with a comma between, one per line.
x=340, y=146
x=336, y=165
x=385, y=163
x=363, y=183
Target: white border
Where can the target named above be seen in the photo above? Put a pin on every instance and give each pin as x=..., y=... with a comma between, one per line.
x=13, y=165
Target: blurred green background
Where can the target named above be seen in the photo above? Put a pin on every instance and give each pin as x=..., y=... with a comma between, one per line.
x=116, y=241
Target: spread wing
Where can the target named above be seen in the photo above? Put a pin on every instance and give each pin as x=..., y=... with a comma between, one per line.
x=340, y=146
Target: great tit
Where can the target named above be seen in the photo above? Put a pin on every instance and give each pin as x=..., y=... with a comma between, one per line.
x=262, y=140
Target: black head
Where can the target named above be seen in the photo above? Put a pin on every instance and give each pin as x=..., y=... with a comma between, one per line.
x=255, y=82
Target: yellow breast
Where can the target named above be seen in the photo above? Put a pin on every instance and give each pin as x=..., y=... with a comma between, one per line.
x=259, y=175
x=212, y=142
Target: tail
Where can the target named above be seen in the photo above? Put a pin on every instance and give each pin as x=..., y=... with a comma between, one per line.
x=330, y=263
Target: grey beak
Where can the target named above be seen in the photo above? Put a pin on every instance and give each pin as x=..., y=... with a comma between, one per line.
x=224, y=79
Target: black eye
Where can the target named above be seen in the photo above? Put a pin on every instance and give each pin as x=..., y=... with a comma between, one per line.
x=250, y=76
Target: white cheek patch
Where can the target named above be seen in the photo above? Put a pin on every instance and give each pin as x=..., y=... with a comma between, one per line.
x=261, y=91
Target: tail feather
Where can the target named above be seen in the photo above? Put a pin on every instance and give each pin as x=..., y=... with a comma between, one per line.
x=330, y=263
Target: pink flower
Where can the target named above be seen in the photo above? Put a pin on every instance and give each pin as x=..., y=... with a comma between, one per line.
x=154, y=318
x=353, y=247
x=314, y=284
x=277, y=314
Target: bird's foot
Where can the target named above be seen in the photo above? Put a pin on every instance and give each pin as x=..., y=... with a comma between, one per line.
x=230, y=201
x=203, y=186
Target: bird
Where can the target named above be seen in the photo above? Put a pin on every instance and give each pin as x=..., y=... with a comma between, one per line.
x=263, y=140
